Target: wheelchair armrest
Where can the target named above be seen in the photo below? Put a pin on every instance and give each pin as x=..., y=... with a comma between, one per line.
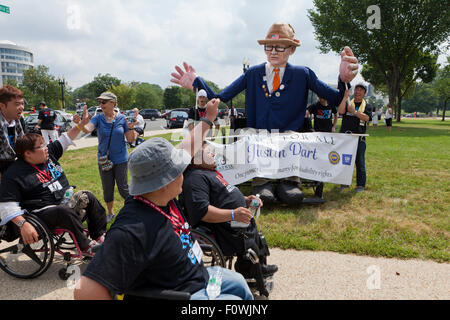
x=147, y=293
x=32, y=202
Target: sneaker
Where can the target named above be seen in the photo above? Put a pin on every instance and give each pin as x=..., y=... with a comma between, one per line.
x=265, y=192
x=288, y=192
x=359, y=189
x=91, y=249
x=343, y=187
x=109, y=217
x=269, y=269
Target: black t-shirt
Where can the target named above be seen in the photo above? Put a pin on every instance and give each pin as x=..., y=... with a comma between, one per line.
x=197, y=113
x=202, y=188
x=5, y=163
x=32, y=188
x=353, y=124
x=323, y=116
x=48, y=117
x=141, y=250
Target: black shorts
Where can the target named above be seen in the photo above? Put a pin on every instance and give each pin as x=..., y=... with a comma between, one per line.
x=140, y=131
x=389, y=122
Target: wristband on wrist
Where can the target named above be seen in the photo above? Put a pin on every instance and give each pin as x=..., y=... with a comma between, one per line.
x=204, y=119
x=232, y=214
x=76, y=125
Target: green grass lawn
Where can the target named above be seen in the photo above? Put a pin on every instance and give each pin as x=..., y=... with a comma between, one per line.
x=403, y=213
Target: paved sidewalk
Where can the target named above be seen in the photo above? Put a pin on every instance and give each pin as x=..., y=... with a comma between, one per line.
x=90, y=141
x=302, y=275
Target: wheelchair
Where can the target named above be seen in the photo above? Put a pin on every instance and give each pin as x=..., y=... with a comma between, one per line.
x=259, y=285
x=28, y=261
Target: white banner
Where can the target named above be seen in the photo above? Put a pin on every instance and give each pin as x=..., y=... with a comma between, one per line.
x=318, y=156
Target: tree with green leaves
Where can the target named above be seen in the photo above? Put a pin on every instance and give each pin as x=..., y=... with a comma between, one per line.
x=392, y=38
x=148, y=96
x=126, y=95
x=173, y=97
x=423, y=100
x=102, y=83
x=39, y=85
x=442, y=86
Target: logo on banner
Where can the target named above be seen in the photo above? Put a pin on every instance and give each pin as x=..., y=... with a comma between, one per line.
x=334, y=157
x=347, y=159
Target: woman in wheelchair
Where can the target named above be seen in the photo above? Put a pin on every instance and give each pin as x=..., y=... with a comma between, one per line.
x=37, y=183
x=209, y=200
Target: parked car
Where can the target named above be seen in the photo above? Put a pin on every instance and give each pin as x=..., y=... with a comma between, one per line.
x=65, y=114
x=151, y=114
x=62, y=124
x=167, y=114
x=241, y=112
x=176, y=119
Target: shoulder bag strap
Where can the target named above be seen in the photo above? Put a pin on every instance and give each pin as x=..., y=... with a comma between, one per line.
x=110, y=135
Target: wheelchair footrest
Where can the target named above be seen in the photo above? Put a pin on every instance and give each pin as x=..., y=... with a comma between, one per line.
x=268, y=284
x=313, y=200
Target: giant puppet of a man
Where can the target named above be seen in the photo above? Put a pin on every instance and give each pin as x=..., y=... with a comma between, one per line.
x=276, y=96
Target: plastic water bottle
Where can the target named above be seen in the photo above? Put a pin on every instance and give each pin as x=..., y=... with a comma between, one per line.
x=67, y=196
x=254, y=207
x=215, y=283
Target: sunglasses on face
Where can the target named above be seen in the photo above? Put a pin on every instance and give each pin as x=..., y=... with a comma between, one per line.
x=42, y=146
x=103, y=101
x=277, y=48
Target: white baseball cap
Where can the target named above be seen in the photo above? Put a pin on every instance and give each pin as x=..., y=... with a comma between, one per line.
x=202, y=93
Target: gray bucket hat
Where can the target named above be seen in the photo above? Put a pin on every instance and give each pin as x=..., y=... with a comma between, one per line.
x=154, y=164
x=107, y=96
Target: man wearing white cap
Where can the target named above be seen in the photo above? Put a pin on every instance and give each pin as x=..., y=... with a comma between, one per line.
x=276, y=95
x=199, y=111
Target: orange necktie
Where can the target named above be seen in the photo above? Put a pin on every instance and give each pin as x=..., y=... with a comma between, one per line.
x=276, y=79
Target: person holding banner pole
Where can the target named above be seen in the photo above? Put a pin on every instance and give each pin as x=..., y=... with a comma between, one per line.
x=276, y=95
x=198, y=111
x=355, y=116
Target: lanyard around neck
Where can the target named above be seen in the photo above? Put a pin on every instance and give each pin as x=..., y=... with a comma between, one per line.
x=176, y=219
x=46, y=173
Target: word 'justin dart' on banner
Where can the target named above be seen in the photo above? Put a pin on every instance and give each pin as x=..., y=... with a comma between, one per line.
x=318, y=156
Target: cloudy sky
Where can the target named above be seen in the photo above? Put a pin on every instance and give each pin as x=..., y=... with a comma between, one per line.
x=142, y=40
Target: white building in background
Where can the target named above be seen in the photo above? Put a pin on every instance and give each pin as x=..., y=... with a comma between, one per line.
x=14, y=60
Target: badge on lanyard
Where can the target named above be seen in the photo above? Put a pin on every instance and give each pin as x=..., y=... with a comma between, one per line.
x=55, y=186
x=197, y=251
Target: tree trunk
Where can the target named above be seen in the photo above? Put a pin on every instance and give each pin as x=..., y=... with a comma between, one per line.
x=394, y=92
x=399, y=109
x=443, y=111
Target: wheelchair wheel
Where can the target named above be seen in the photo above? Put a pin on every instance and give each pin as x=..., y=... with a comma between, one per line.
x=28, y=261
x=212, y=255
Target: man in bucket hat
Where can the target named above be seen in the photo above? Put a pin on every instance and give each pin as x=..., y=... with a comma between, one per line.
x=150, y=245
x=277, y=95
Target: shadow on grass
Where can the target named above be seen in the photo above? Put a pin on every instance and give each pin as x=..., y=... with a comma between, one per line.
x=307, y=213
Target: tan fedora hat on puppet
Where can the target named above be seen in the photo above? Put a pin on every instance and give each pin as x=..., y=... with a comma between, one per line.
x=280, y=33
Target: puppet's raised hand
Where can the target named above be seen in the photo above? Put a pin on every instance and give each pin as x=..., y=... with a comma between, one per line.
x=184, y=78
x=349, y=65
